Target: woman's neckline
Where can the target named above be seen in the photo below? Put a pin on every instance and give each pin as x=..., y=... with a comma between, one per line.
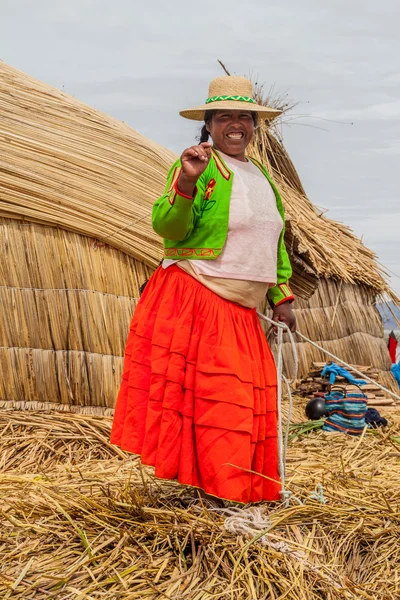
x=228, y=157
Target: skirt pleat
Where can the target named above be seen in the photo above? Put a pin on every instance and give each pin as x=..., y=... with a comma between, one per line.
x=198, y=398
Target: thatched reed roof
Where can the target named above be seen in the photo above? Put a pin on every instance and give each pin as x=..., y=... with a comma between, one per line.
x=65, y=164
x=65, y=313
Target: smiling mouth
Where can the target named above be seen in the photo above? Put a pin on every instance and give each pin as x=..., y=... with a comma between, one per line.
x=237, y=135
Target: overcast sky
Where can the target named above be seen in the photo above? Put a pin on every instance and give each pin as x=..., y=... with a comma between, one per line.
x=142, y=62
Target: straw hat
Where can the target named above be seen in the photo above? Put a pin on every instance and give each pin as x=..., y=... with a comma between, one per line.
x=230, y=93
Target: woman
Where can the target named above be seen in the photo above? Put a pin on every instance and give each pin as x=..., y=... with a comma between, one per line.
x=198, y=394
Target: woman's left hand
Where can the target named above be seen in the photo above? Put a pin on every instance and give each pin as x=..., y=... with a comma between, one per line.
x=285, y=314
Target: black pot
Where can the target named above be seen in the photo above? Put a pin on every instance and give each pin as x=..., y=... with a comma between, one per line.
x=316, y=409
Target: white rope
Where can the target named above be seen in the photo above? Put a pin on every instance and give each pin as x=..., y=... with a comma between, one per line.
x=283, y=439
x=257, y=527
x=318, y=495
x=256, y=523
x=279, y=367
x=95, y=244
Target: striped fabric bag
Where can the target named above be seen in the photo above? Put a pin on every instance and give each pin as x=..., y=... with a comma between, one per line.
x=346, y=411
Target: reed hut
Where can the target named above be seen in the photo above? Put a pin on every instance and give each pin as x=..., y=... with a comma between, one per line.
x=76, y=191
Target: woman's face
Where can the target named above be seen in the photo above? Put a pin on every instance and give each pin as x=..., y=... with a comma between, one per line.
x=231, y=131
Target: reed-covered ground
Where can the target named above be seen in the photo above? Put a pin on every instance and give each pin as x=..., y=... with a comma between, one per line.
x=81, y=520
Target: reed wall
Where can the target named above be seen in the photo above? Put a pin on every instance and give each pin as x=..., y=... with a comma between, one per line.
x=66, y=305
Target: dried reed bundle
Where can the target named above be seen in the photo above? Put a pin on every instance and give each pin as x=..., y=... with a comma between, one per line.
x=80, y=519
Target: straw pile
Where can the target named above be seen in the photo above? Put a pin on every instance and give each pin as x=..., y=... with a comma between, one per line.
x=81, y=520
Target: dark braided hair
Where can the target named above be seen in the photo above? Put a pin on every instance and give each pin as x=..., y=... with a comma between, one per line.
x=204, y=134
x=208, y=115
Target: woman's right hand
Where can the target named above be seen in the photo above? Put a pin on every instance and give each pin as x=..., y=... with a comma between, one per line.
x=195, y=160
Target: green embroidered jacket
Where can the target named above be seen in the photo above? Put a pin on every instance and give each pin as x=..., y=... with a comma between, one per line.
x=196, y=228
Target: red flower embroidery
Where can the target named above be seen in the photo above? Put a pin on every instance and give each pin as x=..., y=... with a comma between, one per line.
x=209, y=189
x=206, y=202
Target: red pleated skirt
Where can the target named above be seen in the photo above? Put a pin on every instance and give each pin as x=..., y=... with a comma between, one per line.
x=198, y=398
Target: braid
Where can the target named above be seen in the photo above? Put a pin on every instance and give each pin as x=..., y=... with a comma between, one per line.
x=204, y=134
